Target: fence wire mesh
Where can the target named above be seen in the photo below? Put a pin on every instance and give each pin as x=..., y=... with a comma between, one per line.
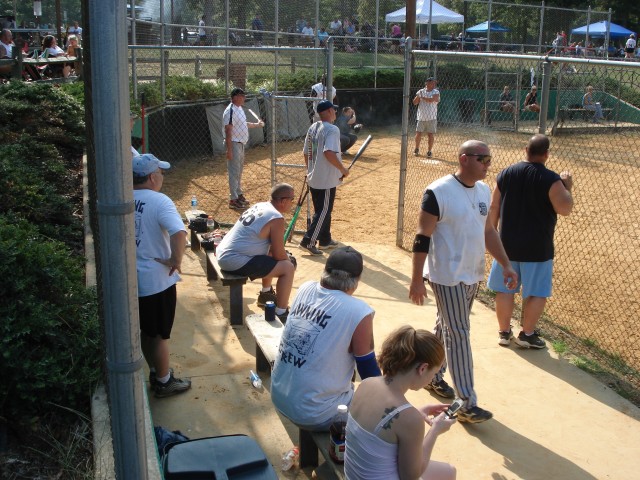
x=594, y=303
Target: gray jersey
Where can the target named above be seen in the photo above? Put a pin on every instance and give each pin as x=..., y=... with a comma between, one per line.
x=243, y=242
x=322, y=136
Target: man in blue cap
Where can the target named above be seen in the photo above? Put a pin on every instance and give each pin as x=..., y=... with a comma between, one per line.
x=160, y=243
x=325, y=171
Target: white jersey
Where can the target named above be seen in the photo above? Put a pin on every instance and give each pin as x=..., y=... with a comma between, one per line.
x=322, y=137
x=631, y=43
x=320, y=92
x=457, y=243
x=313, y=370
x=243, y=242
x=427, y=110
x=156, y=219
x=235, y=116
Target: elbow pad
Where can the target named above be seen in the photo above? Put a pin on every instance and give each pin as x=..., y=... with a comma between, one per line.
x=367, y=365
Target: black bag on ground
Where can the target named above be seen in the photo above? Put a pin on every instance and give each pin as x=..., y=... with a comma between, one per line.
x=198, y=225
x=230, y=456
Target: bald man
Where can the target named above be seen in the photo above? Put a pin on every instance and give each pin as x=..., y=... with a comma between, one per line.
x=452, y=234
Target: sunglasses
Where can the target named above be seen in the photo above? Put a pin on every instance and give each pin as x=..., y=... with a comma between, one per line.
x=483, y=159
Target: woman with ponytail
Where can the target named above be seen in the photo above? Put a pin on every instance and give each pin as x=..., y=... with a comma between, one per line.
x=385, y=433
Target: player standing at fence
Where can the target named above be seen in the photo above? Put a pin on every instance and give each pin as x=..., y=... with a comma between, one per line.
x=630, y=46
x=236, y=135
x=325, y=171
x=319, y=90
x=160, y=242
x=452, y=234
x=202, y=33
x=527, y=200
x=427, y=101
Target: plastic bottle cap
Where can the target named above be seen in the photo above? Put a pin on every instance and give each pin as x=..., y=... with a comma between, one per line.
x=343, y=409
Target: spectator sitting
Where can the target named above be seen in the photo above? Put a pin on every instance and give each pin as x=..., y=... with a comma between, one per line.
x=322, y=37
x=328, y=334
x=346, y=122
x=336, y=27
x=531, y=100
x=72, y=45
x=385, y=433
x=589, y=104
x=6, y=51
x=51, y=49
x=254, y=247
x=506, y=100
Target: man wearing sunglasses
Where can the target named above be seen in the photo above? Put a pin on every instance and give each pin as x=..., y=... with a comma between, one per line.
x=526, y=202
x=452, y=235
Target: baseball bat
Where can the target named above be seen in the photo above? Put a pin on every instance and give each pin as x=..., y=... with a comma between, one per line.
x=361, y=150
x=254, y=115
x=303, y=195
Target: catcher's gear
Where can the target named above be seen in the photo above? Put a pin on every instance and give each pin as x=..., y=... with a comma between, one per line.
x=357, y=127
x=292, y=259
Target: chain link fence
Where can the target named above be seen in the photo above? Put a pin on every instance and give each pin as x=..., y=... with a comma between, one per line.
x=594, y=303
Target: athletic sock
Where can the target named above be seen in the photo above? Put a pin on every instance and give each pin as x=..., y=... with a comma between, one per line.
x=280, y=311
x=266, y=289
x=165, y=379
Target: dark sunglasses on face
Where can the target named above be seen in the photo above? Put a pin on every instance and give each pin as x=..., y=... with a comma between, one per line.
x=483, y=159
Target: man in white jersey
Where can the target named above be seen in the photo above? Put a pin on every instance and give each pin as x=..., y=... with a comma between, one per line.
x=160, y=243
x=329, y=333
x=255, y=248
x=236, y=134
x=452, y=233
x=319, y=90
x=325, y=171
x=427, y=100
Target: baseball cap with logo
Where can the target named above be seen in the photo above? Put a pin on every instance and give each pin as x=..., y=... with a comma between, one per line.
x=347, y=259
x=146, y=164
x=325, y=105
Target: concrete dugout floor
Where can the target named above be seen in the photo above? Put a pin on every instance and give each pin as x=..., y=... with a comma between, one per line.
x=551, y=420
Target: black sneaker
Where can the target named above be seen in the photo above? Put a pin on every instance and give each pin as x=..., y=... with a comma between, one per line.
x=243, y=201
x=474, y=415
x=312, y=249
x=416, y=152
x=328, y=246
x=264, y=297
x=172, y=387
x=505, y=338
x=153, y=378
x=441, y=389
x=530, y=341
x=283, y=316
x=429, y=154
x=237, y=205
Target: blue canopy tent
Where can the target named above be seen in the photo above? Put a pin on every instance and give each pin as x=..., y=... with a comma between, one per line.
x=484, y=27
x=599, y=30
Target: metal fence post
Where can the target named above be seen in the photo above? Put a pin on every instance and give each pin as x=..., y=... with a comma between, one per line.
x=541, y=28
x=329, y=67
x=164, y=73
x=408, y=54
x=544, y=102
x=134, y=64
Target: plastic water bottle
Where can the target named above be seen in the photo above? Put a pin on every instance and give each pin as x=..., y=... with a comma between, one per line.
x=194, y=203
x=290, y=459
x=337, y=434
x=210, y=224
x=256, y=381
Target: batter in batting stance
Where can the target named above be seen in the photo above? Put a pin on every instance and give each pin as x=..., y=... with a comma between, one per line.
x=452, y=234
x=325, y=171
x=427, y=100
x=527, y=200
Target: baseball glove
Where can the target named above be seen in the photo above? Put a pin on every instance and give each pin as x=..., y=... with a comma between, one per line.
x=292, y=259
x=357, y=127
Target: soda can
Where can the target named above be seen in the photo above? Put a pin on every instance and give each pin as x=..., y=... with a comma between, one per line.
x=270, y=311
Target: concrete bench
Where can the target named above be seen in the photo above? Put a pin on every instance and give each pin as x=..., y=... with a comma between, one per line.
x=267, y=336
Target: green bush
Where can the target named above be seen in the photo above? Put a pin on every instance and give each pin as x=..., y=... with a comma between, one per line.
x=50, y=336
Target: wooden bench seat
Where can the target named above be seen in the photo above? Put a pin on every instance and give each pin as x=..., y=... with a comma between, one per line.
x=567, y=113
x=235, y=284
x=310, y=444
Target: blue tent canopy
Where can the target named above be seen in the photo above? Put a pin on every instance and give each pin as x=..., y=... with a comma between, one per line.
x=599, y=30
x=484, y=27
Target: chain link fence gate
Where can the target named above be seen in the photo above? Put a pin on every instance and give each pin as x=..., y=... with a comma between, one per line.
x=597, y=265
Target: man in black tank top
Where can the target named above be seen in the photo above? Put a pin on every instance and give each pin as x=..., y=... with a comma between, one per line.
x=526, y=201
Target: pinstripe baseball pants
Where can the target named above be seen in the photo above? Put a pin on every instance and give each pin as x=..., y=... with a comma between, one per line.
x=320, y=228
x=453, y=328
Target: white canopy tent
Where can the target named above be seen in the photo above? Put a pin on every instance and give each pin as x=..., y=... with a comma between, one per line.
x=424, y=10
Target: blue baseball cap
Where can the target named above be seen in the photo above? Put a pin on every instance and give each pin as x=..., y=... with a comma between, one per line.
x=146, y=164
x=325, y=105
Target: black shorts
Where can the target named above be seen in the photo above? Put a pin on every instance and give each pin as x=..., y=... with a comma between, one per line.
x=259, y=266
x=629, y=50
x=157, y=313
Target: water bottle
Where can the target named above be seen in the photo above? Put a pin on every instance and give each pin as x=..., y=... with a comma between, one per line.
x=256, y=381
x=194, y=203
x=337, y=434
x=210, y=224
x=290, y=459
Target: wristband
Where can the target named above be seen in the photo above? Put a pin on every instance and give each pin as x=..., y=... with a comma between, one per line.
x=421, y=244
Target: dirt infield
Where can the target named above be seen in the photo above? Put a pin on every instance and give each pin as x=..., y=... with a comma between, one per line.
x=597, y=247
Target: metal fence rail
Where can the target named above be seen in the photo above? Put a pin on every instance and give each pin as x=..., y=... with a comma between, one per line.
x=594, y=303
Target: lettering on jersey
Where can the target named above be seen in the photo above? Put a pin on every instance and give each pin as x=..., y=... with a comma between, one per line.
x=139, y=210
x=313, y=315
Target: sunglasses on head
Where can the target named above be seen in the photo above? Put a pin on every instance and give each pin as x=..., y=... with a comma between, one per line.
x=483, y=159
